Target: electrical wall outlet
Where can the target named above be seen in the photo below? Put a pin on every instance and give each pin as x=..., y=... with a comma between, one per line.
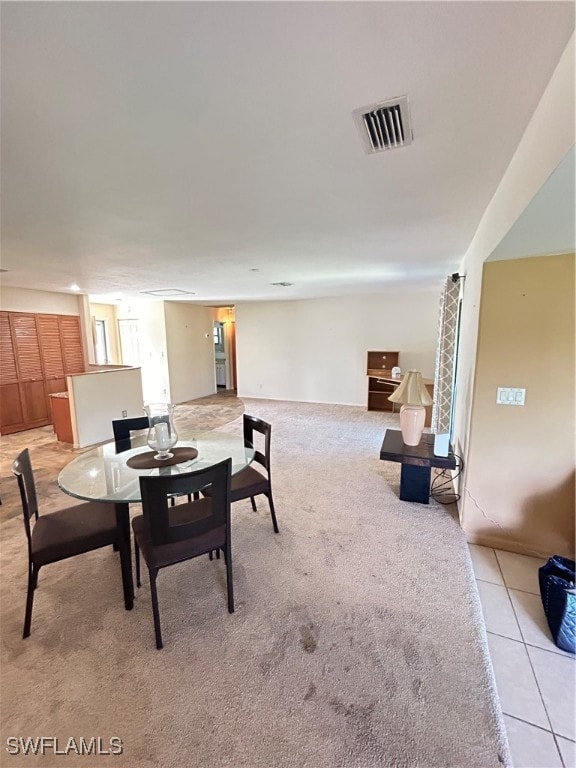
x=124, y=414
x=510, y=396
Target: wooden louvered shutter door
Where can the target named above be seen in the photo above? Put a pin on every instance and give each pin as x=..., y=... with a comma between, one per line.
x=29, y=366
x=51, y=351
x=11, y=412
x=71, y=338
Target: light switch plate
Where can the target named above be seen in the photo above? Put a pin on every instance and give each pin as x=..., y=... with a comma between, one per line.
x=510, y=396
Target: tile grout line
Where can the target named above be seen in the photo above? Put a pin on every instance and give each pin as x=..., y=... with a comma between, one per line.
x=526, y=645
x=532, y=667
x=528, y=655
x=556, y=651
x=530, y=660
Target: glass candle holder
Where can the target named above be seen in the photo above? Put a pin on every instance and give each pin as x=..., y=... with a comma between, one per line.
x=162, y=433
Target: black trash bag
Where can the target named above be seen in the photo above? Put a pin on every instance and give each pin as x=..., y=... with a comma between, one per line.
x=558, y=593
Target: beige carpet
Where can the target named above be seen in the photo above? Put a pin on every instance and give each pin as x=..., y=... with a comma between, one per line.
x=357, y=640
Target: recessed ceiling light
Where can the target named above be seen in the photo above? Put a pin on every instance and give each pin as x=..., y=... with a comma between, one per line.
x=74, y=287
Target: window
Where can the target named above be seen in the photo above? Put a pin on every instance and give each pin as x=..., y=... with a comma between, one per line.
x=100, y=343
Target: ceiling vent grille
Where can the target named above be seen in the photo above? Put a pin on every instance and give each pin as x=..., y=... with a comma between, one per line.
x=384, y=126
x=169, y=292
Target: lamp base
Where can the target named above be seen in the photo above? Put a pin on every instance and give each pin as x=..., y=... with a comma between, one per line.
x=412, y=419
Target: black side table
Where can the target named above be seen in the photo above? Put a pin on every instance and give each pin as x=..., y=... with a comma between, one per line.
x=416, y=461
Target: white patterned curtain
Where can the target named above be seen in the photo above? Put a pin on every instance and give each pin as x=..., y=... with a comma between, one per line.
x=446, y=357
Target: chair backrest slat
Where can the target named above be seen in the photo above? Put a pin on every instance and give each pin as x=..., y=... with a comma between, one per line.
x=252, y=424
x=123, y=428
x=22, y=470
x=156, y=491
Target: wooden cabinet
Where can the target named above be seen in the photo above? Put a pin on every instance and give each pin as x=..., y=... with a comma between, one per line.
x=61, y=418
x=378, y=367
x=381, y=383
x=37, y=351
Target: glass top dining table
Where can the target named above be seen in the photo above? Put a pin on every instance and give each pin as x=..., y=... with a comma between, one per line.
x=102, y=474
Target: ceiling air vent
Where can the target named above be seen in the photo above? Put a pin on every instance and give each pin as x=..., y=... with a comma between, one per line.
x=169, y=292
x=385, y=125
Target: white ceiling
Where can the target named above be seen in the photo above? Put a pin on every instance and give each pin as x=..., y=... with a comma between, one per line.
x=547, y=225
x=210, y=147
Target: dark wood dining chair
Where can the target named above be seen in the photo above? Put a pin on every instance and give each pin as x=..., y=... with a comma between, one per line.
x=56, y=536
x=250, y=483
x=123, y=428
x=167, y=535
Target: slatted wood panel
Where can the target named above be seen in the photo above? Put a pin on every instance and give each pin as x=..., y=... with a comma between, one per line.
x=50, y=346
x=11, y=410
x=8, y=371
x=26, y=347
x=71, y=344
x=37, y=351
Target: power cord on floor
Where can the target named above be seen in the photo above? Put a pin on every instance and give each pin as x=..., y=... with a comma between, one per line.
x=443, y=480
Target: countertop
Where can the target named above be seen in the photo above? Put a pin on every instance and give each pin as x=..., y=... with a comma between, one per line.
x=382, y=373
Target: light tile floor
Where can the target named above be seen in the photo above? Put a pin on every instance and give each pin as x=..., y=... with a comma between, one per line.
x=535, y=679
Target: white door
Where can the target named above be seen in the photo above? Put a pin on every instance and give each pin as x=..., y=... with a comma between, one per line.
x=129, y=347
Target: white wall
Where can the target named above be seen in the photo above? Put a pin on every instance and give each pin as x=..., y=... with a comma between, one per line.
x=97, y=398
x=152, y=343
x=547, y=140
x=315, y=350
x=44, y=302
x=190, y=351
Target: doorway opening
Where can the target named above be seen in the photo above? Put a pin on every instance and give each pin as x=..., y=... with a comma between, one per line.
x=129, y=346
x=225, y=349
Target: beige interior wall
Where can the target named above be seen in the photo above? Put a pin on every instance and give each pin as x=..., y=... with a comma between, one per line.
x=43, y=302
x=315, y=350
x=520, y=475
x=190, y=350
x=547, y=140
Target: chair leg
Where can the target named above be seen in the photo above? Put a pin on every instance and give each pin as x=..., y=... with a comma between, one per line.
x=155, y=611
x=229, y=580
x=210, y=554
x=217, y=554
x=137, y=558
x=253, y=502
x=272, y=512
x=32, y=582
x=115, y=546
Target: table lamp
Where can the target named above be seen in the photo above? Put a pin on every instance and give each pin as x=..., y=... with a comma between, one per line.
x=413, y=396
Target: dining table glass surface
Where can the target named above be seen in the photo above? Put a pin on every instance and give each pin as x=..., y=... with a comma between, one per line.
x=102, y=474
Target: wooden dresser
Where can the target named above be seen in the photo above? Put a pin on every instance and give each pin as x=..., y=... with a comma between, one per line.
x=381, y=383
